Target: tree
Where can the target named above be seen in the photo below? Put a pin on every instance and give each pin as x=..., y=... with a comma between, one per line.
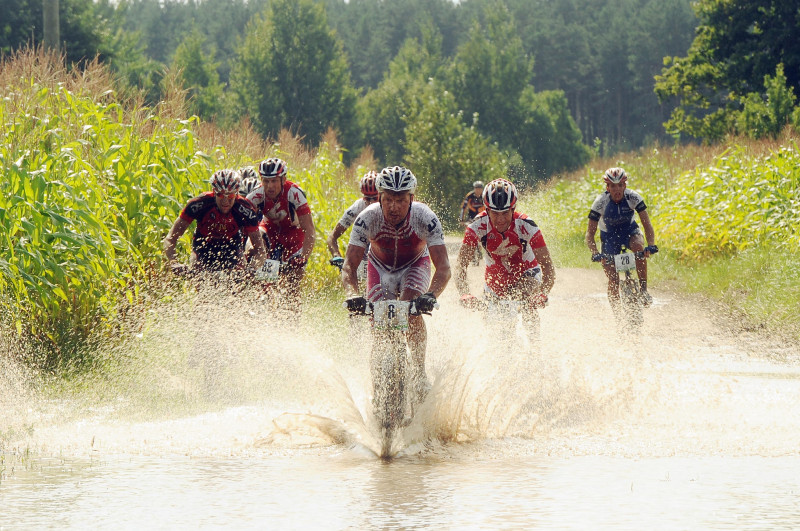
x=738, y=43
x=446, y=154
x=291, y=73
x=198, y=74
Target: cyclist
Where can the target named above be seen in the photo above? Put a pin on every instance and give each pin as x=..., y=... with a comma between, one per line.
x=613, y=212
x=518, y=263
x=472, y=205
x=286, y=224
x=250, y=180
x=369, y=193
x=404, y=237
x=222, y=218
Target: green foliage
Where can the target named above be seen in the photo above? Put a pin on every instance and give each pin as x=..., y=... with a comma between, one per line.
x=198, y=74
x=760, y=118
x=291, y=73
x=446, y=155
x=90, y=191
x=739, y=43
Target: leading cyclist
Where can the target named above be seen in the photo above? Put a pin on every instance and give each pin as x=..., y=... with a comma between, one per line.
x=404, y=237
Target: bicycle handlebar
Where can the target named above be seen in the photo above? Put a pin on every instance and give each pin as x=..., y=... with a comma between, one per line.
x=597, y=257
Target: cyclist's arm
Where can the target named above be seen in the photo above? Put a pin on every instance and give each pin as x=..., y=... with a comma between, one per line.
x=591, y=230
x=258, y=248
x=352, y=259
x=465, y=254
x=177, y=230
x=442, y=273
x=307, y=224
x=548, y=269
x=333, y=240
x=649, y=232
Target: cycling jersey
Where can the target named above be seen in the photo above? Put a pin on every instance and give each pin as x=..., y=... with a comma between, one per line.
x=352, y=213
x=397, y=247
x=611, y=216
x=471, y=206
x=217, y=238
x=509, y=255
x=280, y=218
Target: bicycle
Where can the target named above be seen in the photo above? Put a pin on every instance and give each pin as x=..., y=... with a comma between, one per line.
x=389, y=366
x=632, y=306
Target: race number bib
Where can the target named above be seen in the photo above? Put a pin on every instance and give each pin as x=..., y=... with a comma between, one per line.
x=269, y=271
x=625, y=261
x=390, y=315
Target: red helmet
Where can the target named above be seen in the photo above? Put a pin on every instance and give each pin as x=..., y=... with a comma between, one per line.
x=369, y=184
x=226, y=181
x=500, y=195
x=615, y=175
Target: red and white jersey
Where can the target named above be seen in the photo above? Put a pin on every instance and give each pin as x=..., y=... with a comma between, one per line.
x=281, y=213
x=397, y=247
x=352, y=213
x=509, y=254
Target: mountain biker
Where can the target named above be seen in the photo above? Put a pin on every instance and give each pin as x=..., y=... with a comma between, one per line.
x=613, y=212
x=404, y=237
x=286, y=224
x=222, y=218
x=518, y=263
x=369, y=193
x=250, y=180
x=472, y=205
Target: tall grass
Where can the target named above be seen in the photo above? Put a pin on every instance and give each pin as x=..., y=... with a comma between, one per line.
x=92, y=184
x=727, y=219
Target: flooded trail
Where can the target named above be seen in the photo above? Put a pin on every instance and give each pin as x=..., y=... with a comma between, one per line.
x=262, y=419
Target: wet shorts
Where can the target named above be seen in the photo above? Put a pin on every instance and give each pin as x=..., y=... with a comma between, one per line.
x=384, y=285
x=613, y=241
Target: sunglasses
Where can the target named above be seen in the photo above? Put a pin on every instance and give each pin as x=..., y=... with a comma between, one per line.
x=226, y=194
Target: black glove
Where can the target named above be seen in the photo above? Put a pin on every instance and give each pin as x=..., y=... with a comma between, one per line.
x=295, y=263
x=178, y=269
x=425, y=303
x=337, y=261
x=652, y=248
x=356, y=304
x=597, y=257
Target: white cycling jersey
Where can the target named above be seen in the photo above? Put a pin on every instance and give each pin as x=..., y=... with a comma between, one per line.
x=397, y=247
x=352, y=213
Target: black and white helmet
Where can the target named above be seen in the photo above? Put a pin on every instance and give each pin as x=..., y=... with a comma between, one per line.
x=272, y=167
x=397, y=179
x=226, y=181
x=500, y=195
x=248, y=185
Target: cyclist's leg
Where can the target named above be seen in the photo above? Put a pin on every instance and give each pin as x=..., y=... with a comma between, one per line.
x=636, y=244
x=611, y=243
x=415, y=281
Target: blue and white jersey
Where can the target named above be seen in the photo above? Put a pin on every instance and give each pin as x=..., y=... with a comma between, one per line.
x=612, y=216
x=352, y=213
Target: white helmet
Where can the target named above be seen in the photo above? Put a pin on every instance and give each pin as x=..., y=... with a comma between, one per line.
x=615, y=175
x=226, y=181
x=397, y=179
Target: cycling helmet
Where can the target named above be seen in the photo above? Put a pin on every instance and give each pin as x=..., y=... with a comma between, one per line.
x=615, y=175
x=477, y=184
x=368, y=184
x=226, y=181
x=500, y=195
x=397, y=179
x=248, y=172
x=248, y=185
x=272, y=167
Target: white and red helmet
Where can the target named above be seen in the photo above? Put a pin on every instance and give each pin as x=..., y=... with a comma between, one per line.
x=226, y=181
x=272, y=167
x=397, y=179
x=369, y=184
x=615, y=175
x=500, y=195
